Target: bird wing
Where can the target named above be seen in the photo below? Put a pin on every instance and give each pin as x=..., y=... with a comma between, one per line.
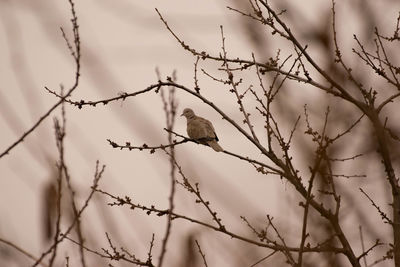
x=208, y=128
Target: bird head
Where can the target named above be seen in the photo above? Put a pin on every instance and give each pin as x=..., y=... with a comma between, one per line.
x=188, y=113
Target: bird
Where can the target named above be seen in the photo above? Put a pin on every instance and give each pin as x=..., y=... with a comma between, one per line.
x=201, y=130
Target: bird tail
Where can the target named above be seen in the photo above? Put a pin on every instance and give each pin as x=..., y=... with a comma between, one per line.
x=215, y=146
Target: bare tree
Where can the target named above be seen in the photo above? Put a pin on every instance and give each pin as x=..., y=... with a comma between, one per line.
x=323, y=150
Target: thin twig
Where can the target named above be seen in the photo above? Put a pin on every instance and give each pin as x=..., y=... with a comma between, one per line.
x=162, y=212
x=203, y=256
x=384, y=217
x=362, y=244
x=77, y=58
x=116, y=256
x=264, y=258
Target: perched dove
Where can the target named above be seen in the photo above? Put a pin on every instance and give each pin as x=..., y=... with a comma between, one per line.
x=201, y=130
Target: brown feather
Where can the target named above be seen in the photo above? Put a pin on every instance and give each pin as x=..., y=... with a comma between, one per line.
x=201, y=129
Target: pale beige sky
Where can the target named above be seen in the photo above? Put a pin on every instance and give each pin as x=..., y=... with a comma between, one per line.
x=122, y=44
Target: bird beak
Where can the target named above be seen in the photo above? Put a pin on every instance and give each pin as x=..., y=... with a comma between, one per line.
x=181, y=114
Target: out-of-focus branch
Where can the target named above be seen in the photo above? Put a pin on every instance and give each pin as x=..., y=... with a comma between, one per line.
x=60, y=132
x=29, y=255
x=97, y=176
x=170, y=107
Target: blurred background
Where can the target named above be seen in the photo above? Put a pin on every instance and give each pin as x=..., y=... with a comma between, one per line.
x=122, y=45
